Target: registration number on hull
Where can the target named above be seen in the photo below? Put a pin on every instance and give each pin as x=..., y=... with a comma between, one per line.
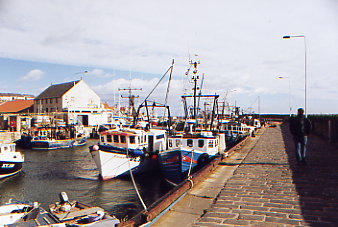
x=7, y=165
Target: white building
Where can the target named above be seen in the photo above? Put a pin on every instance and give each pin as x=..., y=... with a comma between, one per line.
x=4, y=97
x=90, y=116
x=66, y=96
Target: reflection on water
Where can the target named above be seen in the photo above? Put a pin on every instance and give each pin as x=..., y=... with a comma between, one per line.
x=46, y=173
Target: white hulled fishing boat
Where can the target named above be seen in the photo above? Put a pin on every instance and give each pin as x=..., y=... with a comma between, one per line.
x=10, y=160
x=124, y=149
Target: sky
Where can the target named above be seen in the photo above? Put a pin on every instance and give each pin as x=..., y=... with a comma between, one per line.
x=131, y=44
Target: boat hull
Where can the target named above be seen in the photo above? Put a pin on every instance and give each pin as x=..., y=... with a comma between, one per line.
x=10, y=161
x=57, y=144
x=176, y=164
x=116, y=163
x=9, y=168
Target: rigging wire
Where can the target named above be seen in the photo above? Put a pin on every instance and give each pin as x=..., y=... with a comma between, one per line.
x=158, y=83
x=167, y=93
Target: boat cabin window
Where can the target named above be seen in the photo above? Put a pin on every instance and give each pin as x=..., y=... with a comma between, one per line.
x=200, y=143
x=116, y=138
x=178, y=142
x=190, y=142
x=211, y=143
x=145, y=138
x=170, y=142
x=123, y=139
x=102, y=139
x=109, y=138
x=132, y=139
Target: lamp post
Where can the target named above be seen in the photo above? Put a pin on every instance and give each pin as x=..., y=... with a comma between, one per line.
x=305, y=69
x=286, y=77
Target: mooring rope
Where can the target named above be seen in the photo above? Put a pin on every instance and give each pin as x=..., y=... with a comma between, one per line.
x=132, y=179
x=191, y=160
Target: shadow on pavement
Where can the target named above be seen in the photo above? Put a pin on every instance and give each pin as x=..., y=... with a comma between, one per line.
x=316, y=182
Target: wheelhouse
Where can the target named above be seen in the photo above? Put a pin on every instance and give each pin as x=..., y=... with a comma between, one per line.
x=4, y=148
x=152, y=140
x=204, y=142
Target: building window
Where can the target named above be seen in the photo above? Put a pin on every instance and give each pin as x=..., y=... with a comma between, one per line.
x=200, y=143
x=109, y=139
x=47, y=110
x=116, y=138
x=132, y=139
x=190, y=142
x=56, y=100
x=51, y=100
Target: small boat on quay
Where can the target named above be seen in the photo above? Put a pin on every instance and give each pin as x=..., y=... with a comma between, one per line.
x=123, y=150
x=10, y=160
x=16, y=214
x=61, y=214
x=74, y=213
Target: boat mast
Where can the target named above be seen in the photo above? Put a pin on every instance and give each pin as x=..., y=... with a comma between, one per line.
x=131, y=98
x=195, y=78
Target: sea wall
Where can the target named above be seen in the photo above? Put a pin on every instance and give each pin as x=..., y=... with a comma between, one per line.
x=326, y=128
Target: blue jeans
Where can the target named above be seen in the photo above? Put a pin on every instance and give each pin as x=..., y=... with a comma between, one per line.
x=300, y=148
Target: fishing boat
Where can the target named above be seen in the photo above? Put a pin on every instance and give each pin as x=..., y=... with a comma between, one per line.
x=196, y=145
x=235, y=131
x=127, y=149
x=189, y=151
x=16, y=213
x=74, y=213
x=131, y=150
x=10, y=160
x=52, y=138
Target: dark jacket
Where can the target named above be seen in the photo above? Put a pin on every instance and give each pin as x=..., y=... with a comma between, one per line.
x=300, y=126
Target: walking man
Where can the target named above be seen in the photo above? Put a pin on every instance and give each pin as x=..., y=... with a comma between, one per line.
x=300, y=128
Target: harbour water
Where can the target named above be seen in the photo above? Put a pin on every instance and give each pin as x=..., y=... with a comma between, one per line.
x=47, y=173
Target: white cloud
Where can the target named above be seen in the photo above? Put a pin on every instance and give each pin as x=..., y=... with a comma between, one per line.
x=239, y=43
x=100, y=73
x=35, y=74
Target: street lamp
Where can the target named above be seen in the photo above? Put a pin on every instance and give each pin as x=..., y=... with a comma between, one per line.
x=286, y=77
x=305, y=70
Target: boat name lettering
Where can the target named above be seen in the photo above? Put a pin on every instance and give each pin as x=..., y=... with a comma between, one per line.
x=5, y=165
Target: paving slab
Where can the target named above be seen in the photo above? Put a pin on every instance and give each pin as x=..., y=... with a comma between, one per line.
x=269, y=189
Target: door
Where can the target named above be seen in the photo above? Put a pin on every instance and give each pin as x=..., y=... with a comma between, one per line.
x=150, y=143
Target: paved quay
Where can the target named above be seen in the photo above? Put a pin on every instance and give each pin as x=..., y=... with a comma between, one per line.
x=261, y=185
x=268, y=188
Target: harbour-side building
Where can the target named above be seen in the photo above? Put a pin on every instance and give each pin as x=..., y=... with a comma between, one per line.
x=5, y=97
x=65, y=96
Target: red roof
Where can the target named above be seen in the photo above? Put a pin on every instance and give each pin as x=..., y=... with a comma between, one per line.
x=15, y=106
